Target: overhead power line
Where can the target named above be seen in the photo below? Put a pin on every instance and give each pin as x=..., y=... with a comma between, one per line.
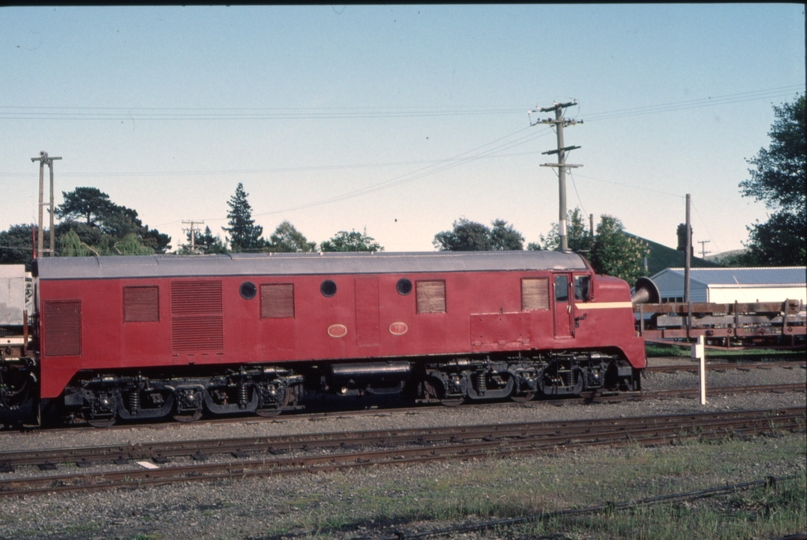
x=19, y=112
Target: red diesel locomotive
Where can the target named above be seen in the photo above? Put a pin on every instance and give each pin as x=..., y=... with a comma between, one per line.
x=149, y=337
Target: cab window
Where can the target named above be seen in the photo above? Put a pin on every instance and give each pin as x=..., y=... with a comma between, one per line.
x=581, y=287
x=561, y=288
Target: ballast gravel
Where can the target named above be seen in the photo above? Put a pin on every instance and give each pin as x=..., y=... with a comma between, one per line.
x=247, y=508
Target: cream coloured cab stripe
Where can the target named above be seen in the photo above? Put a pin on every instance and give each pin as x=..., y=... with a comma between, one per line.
x=603, y=305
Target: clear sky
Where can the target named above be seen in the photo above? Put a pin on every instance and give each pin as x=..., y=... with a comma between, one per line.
x=398, y=120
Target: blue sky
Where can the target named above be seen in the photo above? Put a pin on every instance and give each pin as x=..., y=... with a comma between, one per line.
x=398, y=120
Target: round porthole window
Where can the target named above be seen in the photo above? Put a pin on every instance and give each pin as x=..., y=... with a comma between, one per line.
x=248, y=290
x=328, y=288
x=404, y=286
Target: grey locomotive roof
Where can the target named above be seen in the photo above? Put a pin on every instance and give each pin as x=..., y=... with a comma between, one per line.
x=788, y=275
x=302, y=263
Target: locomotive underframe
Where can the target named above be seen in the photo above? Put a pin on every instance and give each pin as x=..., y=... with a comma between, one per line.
x=523, y=377
x=267, y=390
x=102, y=398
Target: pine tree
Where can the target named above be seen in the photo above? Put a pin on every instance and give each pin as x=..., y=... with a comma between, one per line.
x=244, y=234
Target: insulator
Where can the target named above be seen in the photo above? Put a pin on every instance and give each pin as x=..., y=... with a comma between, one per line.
x=134, y=402
x=243, y=395
x=481, y=383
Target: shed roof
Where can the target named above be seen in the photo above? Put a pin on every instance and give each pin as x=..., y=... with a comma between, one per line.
x=302, y=263
x=785, y=275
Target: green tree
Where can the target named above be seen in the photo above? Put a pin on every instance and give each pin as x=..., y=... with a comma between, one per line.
x=244, y=234
x=578, y=236
x=351, y=241
x=617, y=254
x=17, y=245
x=779, y=180
x=130, y=245
x=88, y=203
x=287, y=239
x=504, y=237
x=70, y=245
x=101, y=224
x=467, y=235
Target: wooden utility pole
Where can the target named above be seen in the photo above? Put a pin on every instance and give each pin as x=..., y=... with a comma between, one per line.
x=688, y=255
x=43, y=160
x=559, y=122
x=191, y=230
x=703, y=248
x=687, y=266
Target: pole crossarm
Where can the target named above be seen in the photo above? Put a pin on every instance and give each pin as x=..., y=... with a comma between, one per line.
x=557, y=106
x=566, y=149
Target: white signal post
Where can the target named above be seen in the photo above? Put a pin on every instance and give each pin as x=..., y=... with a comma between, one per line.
x=698, y=351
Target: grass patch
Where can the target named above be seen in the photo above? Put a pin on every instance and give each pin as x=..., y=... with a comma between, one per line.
x=494, y=489
x=757, y=513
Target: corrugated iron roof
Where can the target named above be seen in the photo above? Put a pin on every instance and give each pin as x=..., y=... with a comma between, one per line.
x=790, y=275
x=302, y=263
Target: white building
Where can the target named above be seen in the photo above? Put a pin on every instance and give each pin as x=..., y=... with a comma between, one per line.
x=15, y=294
x=727, y=285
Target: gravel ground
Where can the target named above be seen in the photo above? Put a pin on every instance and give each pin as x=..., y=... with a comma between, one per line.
x=246, y=508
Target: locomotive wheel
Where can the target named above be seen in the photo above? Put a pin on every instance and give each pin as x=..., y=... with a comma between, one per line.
x=432, y=394
x=187, y=418
x=270, y=412
x=453, y=402
x=523, y=398
x=101, y=422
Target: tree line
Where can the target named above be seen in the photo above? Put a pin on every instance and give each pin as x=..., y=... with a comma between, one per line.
x=91, y=224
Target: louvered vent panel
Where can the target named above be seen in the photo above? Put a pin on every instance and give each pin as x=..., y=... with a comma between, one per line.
x=141, y=304
x=277, y=300
x=195, y=297
x=534, y=294
x=63, y=328
x=196, y=320
x=197, y=334
x=431, y=296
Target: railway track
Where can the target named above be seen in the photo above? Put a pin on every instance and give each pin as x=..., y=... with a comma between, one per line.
x=725, y=366
x=263, y=456
x=397, y=407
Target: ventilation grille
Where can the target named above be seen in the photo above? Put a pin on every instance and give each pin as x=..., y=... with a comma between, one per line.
x=534, y=294
x=195, y=297
x=196, y=316
x=63, y=328
x=201, y=333
x=277, y=301
x=141, y=304
x=431, y=296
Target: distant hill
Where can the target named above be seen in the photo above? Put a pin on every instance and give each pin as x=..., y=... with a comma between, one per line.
x=662, y=257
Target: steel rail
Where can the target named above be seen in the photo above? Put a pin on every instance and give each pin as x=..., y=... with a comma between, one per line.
x=754, y=422
x=743, y=366
x=386, y=411
x=285, y=443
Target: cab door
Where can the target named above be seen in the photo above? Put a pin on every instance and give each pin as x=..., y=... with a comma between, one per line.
x=564, y=306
